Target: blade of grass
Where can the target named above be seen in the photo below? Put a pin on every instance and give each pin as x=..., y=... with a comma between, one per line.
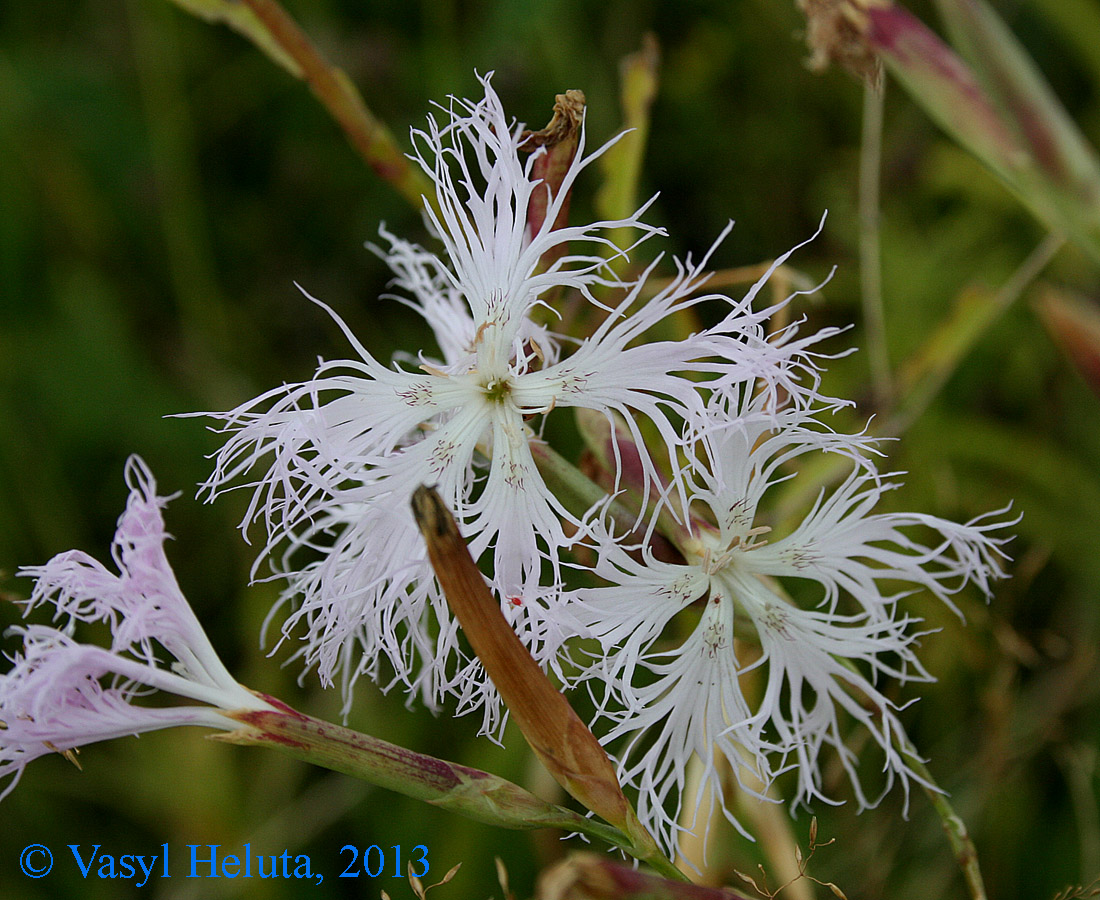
x=617, y=198
x=975, y=311
x=243, y=21
x=183, y=217
x=920, y=379
x=1074, y=324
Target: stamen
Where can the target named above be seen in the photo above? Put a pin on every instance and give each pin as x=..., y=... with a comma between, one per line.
x=481, y=330
x=544, y=410
x=740, y=542
x=712, y=564
x=537, y=350
x=749, y=543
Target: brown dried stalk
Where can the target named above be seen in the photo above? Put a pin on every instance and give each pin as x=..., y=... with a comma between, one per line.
x=561, y=741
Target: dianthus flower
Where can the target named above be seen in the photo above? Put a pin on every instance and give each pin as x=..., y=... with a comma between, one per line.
x=337, y=457
x=665, y=697
x=60, y=694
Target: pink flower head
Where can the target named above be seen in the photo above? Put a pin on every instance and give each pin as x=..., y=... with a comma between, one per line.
x=61, y=694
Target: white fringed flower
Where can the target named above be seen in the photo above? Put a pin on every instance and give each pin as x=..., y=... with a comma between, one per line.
x=337, y=457
x=667, y=697
x=60, y=694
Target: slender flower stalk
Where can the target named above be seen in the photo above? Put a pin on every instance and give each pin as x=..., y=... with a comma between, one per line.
x=61, y=694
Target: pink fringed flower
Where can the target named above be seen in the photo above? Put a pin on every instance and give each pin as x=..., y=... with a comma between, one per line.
x=60, y=694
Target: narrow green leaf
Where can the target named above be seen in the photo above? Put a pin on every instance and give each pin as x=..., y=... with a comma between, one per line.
x=1066, y=166
x=1008, y=117
x=622, y=164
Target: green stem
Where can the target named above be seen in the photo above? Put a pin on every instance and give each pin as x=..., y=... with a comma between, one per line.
x=579, y=493
x=576, y=491
x=339, y=96
x=456, y=788
x=966, y=854
x=870, y=256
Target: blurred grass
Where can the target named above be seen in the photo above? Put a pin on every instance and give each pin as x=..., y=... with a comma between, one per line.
x=162, y=185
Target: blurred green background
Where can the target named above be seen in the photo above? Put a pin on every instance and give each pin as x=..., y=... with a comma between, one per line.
x=162, y=187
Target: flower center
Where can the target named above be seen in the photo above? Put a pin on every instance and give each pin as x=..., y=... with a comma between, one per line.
x=715, y=559
x=497, y=390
